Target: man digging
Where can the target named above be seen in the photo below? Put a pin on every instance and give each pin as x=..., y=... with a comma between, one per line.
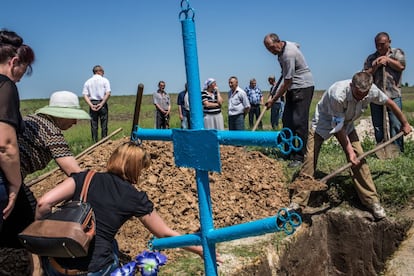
x=335, y=113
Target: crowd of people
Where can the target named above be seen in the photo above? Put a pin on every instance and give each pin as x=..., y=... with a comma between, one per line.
x=28, y=144
x=377, y=86
x=242, y=103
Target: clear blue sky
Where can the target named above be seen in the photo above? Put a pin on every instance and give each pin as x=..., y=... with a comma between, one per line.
x=141, y=41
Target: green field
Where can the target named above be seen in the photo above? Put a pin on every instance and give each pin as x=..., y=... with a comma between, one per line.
x=121, y=109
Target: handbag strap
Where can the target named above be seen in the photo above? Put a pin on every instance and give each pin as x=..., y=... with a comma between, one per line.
x=85, y=187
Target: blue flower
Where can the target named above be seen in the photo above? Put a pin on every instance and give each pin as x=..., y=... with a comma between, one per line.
x=149, y=262
x=126, y=270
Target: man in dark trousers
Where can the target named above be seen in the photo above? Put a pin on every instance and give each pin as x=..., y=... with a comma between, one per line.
x=298, y=86
x=96, y=92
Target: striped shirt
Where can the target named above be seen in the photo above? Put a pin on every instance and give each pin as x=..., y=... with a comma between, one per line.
x=212, y=98
x=41, y=142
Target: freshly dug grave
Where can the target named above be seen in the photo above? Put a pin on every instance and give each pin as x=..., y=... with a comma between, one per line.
x=250, y=187
x=340, y=241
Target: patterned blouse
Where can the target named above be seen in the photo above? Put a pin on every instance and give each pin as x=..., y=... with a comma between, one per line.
x=41, y=142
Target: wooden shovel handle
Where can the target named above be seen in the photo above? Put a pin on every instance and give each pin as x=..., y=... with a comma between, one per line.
x=138, y=100
x=365, y=154
x=385, y=128
x=259, y=119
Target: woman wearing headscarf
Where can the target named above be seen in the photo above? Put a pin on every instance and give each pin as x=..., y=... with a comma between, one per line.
x=212, y=101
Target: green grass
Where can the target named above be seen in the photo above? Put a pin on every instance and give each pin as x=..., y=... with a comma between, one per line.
x=188, y=264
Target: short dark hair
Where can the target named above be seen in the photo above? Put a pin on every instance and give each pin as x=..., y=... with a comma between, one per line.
x=97, y=68
x=381, y=34
x=274, y=37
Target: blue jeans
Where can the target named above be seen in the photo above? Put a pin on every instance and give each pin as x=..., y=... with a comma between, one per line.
x=394, y=123
x=185, y=123
x=4, y=196
x=106, y=271
x=236, y=122
x=275, y=113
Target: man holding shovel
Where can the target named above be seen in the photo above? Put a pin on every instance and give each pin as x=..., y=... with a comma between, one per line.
x=297, y=87
x=386, y=66
x=339, y=107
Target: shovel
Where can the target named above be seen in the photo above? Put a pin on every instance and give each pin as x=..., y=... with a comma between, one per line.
x=391, y=150
x=308, y=183
x=259, y=119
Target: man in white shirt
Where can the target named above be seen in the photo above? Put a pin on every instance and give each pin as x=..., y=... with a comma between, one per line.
x=239, y=105
x=96, y=92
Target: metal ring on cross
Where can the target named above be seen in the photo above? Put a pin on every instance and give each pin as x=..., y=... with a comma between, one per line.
x=286, y=141
x=287, y=221
x=186, y=10
x=150, y=245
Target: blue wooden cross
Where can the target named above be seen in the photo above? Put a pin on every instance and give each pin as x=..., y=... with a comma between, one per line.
x=199, y=148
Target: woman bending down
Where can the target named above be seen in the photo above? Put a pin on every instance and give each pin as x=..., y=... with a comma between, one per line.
x=114, y=200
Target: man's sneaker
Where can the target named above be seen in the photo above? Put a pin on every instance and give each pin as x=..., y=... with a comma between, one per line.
x=293, y=207
x=378, y=211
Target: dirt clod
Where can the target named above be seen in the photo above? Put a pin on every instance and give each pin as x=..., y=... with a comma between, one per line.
x=305, y=182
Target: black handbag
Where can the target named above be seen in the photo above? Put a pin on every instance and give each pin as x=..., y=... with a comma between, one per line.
x=66, y=231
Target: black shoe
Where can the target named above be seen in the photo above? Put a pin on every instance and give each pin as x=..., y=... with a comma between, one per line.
x=295, y=163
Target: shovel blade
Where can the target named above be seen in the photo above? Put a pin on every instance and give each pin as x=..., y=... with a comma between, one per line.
x=390, y=151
